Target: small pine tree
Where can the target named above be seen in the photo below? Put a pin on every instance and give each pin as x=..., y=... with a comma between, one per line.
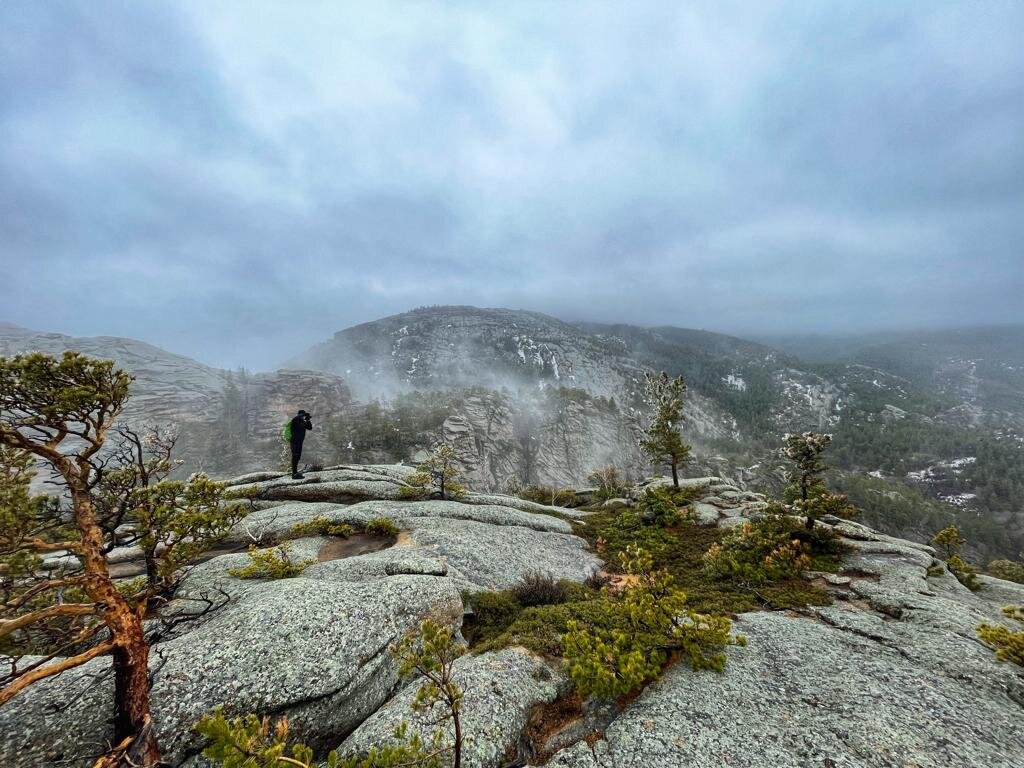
x=59, y=411
x=805, y=451
x=651, y=623
x=949, y=541
x=662, y=440
x=438, y=473
x=807, y=490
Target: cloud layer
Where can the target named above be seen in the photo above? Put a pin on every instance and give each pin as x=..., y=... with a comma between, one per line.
x=236, y=181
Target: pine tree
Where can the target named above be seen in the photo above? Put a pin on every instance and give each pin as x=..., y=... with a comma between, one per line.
x=663, y=441
x=807, y=488
x=438, y=473
x=61, y=411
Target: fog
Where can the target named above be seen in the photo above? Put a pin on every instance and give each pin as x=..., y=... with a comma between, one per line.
x=237, y=181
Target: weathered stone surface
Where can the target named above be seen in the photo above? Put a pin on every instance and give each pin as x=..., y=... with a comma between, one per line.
x=500, y=690
x=487, y=556
x=337, y=491
x=314, y=650
x=376, y=565
x=406, y=511
x=212, y=578
x=253, y=477
x=515, y=502
x=705, y=514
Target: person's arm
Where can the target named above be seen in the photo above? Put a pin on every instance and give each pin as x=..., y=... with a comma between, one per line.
x=309, y=423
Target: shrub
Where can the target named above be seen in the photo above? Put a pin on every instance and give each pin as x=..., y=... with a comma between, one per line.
x=272, y=563
x=252, y=742
x=381, y=526
x=493, y=613
x=609, y=483
x=949, y=541
x=536, y=588
x=606, y=661
x=657, y=506
x=772, y=549
x=248, y=492
x=320, y=526
x=965, y=573
x=550, y=496
x=1007, y=570
x=1007, y=643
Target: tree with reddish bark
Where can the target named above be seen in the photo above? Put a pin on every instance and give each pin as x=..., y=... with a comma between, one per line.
x=61, y=413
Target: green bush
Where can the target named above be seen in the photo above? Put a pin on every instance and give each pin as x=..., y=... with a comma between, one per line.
x=249, y=492
x=536, y=588
x=682, y=551
x=549, y=496
x=662, y=504
x=381, y=526
x=272, y=563
x=1008, y=644
x=775, y=548
x=607, y=660
x=320, y=526
x=965, y=573
x=1008, y=570
x=949, y=541
x=493, y=613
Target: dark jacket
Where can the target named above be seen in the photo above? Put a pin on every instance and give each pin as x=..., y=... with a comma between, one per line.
x=300, y=425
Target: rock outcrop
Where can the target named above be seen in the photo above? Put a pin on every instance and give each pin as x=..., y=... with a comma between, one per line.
x=890, y=675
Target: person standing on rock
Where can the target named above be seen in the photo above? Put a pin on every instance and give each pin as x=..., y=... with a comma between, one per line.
x=296, y=433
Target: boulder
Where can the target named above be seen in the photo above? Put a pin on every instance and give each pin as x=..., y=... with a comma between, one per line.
x=501, y=689
x=705, y=514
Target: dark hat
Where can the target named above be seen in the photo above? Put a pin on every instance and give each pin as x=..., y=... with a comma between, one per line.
x=302, y=412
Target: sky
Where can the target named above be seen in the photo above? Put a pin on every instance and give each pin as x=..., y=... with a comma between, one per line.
x=236, y=181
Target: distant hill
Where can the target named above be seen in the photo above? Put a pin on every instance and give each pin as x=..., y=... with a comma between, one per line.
x=927, y=427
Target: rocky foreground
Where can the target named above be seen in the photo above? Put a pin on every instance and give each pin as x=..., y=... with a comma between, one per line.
x=891, y=674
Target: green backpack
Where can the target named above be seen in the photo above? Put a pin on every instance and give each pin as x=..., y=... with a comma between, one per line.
x=286, y=435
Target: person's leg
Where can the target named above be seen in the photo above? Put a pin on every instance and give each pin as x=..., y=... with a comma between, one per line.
x=296, y=455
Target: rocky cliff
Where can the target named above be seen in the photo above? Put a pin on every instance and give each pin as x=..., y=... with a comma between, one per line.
x=229, y=421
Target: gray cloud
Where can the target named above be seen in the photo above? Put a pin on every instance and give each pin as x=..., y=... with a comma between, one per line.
x=235, y=181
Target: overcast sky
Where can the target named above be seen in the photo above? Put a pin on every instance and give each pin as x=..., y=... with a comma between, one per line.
x=236, y=181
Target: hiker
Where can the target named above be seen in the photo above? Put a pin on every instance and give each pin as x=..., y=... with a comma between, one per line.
x=295, y=432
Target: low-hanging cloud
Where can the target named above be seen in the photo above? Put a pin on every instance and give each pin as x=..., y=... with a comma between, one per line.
x=236, y=181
